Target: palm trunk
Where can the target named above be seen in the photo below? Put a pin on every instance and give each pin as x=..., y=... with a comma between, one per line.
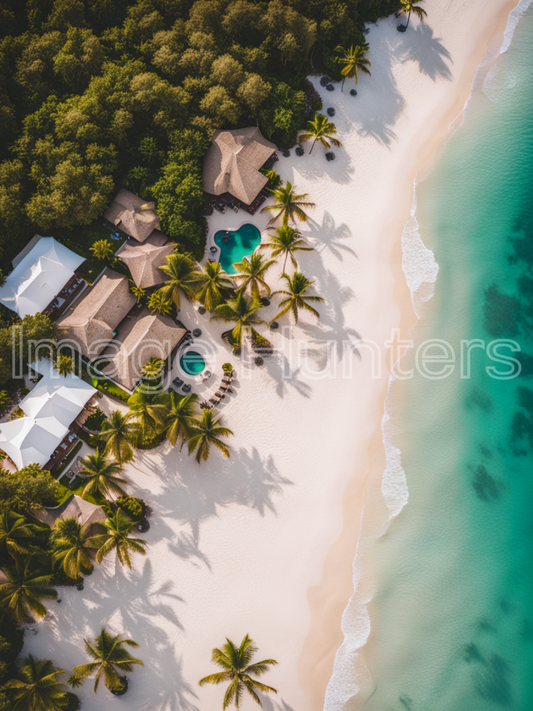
x=342, y=85
x=285, y=262
x=408, y=18
x=316, y=139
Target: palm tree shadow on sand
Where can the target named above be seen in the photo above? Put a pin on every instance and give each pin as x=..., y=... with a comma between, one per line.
x=420, y=45
x=378, y=113
x=329, y=236
x=168, y=690
x=272, y=704
x=316, y=166
x=248, y=479
x=286, y=377
x=332, y=333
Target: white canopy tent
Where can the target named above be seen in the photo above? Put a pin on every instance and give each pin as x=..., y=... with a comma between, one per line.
x=26, y=442
x=39, y=276
x=50, y=408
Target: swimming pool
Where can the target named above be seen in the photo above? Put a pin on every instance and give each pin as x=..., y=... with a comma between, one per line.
x=239, y=244
x=192, y=363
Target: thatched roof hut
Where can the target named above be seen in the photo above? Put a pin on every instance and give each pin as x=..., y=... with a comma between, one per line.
x=142, y=336
x=132, y=215
x=144, y=260
x=85, y=513
x=231, y=165
x=91, y=322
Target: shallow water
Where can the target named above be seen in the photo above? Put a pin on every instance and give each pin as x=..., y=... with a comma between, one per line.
x=452, y=615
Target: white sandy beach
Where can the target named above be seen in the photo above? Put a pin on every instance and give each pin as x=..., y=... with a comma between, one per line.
x=263, y=543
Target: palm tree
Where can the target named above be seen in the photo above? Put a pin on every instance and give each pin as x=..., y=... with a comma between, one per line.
x=159, y=303
x=39, y=689
x=409, y=6
x=148, y=411
x=137, y=291
x=179, y=269
x=110, y=658
x=286, y=241
x=251, y=273
x=211, y=285
x=119, y=434
x=238, y=669
x=102, y=249
x=296, y=299
x=153, y=369
x=101, y=476
x=15, y=532
x=25, y=590
x=321, y=129
x=181, y=411
x=288, y=205
x=354, y=59
x=117, y=537
x=72, y=548
x=242, y=310
x=64, y=365
x=207, y=432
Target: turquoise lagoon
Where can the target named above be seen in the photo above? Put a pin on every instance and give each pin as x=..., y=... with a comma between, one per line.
x=239, y=244
x=451, y=616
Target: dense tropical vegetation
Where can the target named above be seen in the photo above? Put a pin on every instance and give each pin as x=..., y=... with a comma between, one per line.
x=95, y=95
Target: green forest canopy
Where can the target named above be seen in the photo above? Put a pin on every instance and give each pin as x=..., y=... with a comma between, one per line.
x=95, y=94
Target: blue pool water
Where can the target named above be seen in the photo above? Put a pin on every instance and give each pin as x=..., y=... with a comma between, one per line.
x=192, y=363
x=240, y=244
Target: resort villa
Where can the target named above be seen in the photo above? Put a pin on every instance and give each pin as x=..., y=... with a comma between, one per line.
x=133, y=216
x=91, y=323
x=143, y=260
x=140, y=336
x=85, y=513
x=41, y=271
x=231, y=174
x=49, y=411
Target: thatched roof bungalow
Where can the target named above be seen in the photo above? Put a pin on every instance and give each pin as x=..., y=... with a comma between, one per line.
x=132, y=215
x=142, y=336
x=144, y=260
x=232, y=162
x=85, y=513
x=90, y=324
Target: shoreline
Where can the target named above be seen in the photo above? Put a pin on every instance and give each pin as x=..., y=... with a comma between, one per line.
x=329, y=600
x=264, y=543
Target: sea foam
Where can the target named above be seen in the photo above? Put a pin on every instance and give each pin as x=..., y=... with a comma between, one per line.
x=351, y=680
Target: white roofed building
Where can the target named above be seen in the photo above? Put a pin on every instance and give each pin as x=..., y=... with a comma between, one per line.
x=40, y=271
x=49, y=409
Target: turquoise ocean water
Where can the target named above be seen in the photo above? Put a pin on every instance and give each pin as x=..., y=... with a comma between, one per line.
x=451, y=614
